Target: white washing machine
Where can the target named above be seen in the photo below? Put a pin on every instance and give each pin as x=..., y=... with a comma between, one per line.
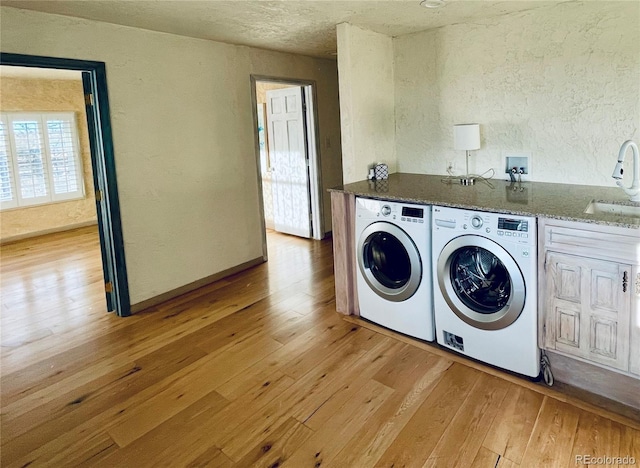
x=485, y=294
x=393, y=250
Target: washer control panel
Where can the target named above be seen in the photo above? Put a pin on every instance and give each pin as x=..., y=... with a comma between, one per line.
x=518, y=229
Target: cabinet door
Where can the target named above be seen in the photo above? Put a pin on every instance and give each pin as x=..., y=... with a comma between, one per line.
x=587, y=309
x=634, y=355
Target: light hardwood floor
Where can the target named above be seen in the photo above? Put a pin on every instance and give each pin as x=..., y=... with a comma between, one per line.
x=256, y=370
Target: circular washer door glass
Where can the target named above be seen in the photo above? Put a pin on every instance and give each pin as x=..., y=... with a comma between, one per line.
x=480, y=280
x=387, y=259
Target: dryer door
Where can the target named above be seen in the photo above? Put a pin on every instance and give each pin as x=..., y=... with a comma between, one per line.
x=481, y=282
x=389, y=261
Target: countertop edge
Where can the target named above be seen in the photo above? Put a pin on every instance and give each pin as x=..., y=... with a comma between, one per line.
x=571, y=213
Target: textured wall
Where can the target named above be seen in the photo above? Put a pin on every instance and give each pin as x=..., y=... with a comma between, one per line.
x=365, y=67
x=28, y=95
x=561, y=82
x=183, y=134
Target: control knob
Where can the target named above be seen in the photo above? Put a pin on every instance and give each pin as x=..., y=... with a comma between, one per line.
x=385, y=210
x=476, y=222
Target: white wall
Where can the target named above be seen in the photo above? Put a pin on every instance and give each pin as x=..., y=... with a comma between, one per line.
x=184, y=140
x=365, y=68
x=561, y=82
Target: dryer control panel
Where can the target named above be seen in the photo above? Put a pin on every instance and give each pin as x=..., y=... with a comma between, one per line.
x=399, y=213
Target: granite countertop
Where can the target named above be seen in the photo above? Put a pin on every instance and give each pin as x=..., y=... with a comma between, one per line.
x=558, y=201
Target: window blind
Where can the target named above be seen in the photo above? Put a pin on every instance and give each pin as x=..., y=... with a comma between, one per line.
x=39, y=159
x=63, y=156
x=7, y=187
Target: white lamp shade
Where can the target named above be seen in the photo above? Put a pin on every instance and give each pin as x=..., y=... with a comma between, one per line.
x=466, y=136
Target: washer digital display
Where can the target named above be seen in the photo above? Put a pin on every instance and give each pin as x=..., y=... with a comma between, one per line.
x=513, y=224
x=412, y=212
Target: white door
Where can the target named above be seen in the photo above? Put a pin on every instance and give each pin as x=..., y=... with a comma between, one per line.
x=289, y=161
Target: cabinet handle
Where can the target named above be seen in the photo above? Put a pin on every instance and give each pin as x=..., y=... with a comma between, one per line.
x=638, y=284
x=625, y=281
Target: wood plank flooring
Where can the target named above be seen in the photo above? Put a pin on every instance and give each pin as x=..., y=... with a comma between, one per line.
x=255, y=370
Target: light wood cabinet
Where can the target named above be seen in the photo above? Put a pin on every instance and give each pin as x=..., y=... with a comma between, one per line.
x=589, y=300
x=634, y=354
x=344, y=260
x=588, y=309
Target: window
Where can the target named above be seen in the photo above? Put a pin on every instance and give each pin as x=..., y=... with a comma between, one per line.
x=39, y=159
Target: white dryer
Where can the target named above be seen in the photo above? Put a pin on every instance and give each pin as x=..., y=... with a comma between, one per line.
x=485, y=295
x=393, y=250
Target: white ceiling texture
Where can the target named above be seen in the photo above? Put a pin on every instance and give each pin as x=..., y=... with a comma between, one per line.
x=306, y=27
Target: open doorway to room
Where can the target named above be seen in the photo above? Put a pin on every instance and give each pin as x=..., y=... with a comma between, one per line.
x=51, y=264
x=58, y=188
x=45, y=158
x=287, y=152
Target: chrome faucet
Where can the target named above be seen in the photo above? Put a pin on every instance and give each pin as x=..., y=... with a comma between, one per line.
x=634, y=190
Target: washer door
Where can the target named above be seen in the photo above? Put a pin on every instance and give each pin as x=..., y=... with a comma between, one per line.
x=481, y=282
x=389, y=261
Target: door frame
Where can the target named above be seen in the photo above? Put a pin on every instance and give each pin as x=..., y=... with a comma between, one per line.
x=309, y=89
x=103, y=170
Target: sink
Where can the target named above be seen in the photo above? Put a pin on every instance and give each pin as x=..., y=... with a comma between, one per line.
x=616, y=208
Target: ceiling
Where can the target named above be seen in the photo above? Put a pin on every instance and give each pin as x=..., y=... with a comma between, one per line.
x=304, y=27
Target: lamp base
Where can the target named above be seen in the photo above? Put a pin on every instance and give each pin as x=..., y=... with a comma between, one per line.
x=467, y=180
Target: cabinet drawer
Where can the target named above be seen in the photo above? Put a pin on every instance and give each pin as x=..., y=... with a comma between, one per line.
x=593, y=243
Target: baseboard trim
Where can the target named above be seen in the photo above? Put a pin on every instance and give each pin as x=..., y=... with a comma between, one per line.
x=44, y=232
x=594, y=379
x=164, y=297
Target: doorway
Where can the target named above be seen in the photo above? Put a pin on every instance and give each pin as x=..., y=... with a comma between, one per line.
x=287, y=155
x=107, y=205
